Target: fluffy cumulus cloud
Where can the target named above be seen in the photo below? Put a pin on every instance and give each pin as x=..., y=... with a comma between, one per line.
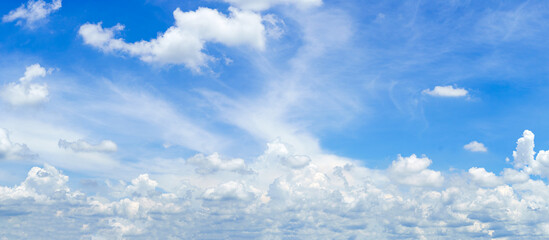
x=475, y=146
x=84, y=146
x=525, y=156
x=279, y=152
x=32, y=12
x=259, y=5
x=25, y=92
x=184, y=42
x=413, y=171
x=10, y=150
x=446, y=91
x=330, y=197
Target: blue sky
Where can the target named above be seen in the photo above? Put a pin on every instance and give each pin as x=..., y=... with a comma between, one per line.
x=232, y=96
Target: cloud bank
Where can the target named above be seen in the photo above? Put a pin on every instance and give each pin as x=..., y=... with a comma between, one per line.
x=329, y=197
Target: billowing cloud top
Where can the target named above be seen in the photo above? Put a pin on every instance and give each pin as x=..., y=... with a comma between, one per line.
x=25, y=92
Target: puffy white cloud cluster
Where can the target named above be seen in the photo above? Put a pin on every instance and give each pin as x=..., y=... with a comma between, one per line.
x=328, y=197
x=183, y=43
x=25, y=92
x=413, y=171
x=84, y=146
x=525, y=157
x=32, y=12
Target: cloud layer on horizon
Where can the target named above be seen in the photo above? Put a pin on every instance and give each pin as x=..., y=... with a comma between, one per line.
x=330, y=196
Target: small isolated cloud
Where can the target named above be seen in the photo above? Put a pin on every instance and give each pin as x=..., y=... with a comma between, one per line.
x=475, y=146
x=184, y=42
x=83, y=146
x=10, y=150
x=32, y=12
x=446, y=91
x=25, y=92
x=260, y=5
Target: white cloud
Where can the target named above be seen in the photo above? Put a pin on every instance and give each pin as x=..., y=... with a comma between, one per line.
x=446, y=91
x=279, y=152
x=213, y=163
x=475, y=146
x=83, y=146
x=413, y=171
x=184, y=42
x=330, y=197
x=274, y=26
x=525, y=157
x=260, y=5
x=10, y=150
x=25, y=92
x=43, y=185
x=229, y=191
x=484, y=178
x=32, y=12
x=524, y=154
